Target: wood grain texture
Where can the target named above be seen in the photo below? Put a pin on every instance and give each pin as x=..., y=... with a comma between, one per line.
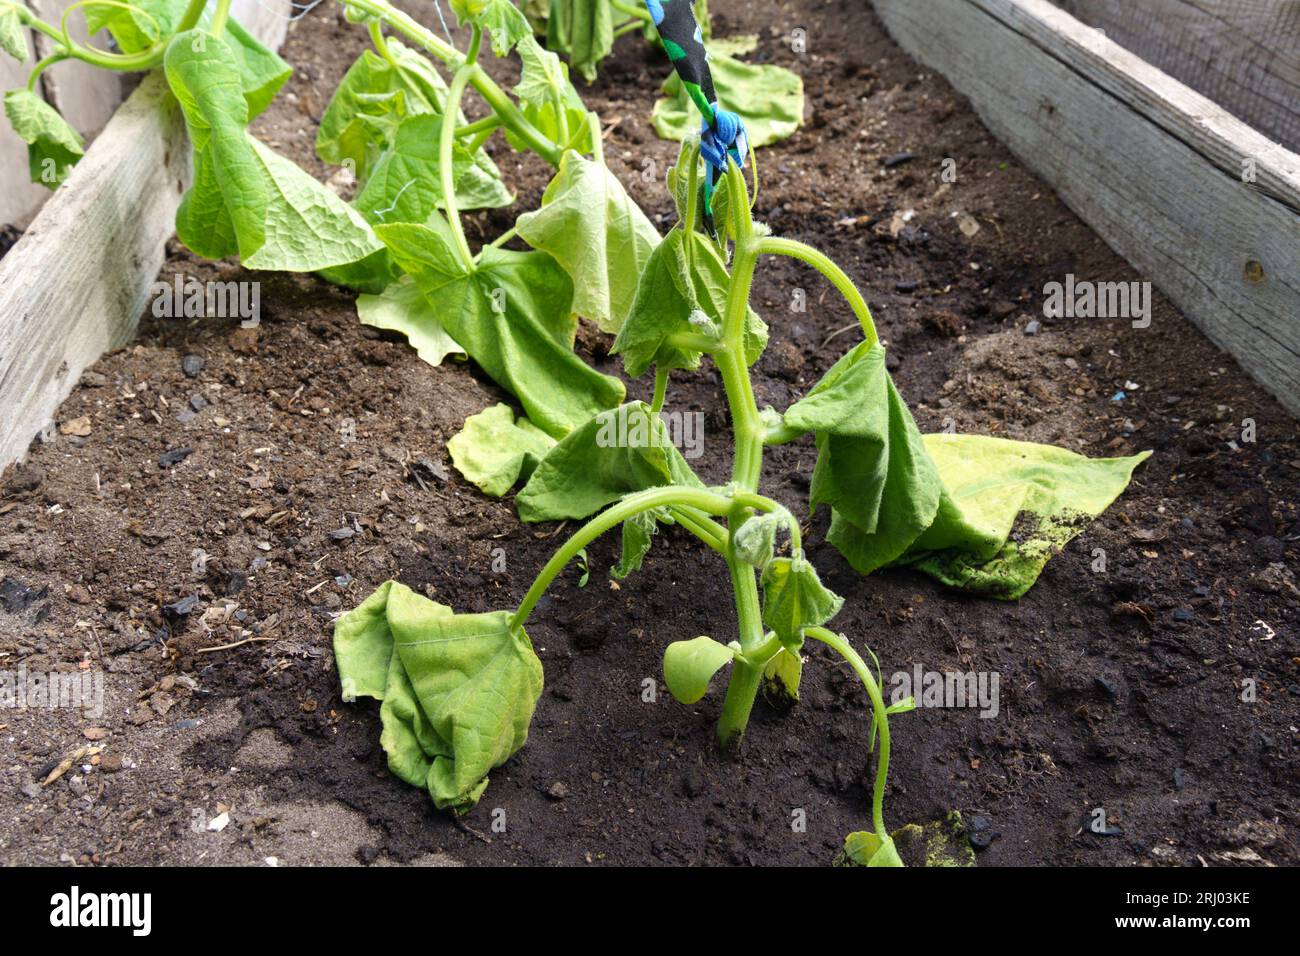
x=1243, y=54
x=75, y=285
x=1154, y=167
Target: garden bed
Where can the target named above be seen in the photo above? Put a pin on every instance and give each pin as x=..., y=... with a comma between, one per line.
x=1120, y=689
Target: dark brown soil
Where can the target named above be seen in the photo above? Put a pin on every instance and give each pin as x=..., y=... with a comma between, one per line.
x=1120, y=689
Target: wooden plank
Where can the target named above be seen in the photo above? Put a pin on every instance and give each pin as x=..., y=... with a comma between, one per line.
x=1154, y=167
x=1243, y=54
x=75, y=285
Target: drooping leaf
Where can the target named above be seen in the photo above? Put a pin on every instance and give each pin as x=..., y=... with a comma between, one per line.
x=373, y=97
x=682, y=289
x=132, y=30
x=549, y=100
x=993, y=483
x=612, y=455
x=402, y=307
x=53, y=146
x=501, y=18
x=690, y=665
x=866, y=848
x=871, y=466
x=12, y=38
x=593, y=228
x=794, y=598
x=781, y=677
x=583, y=30
x=769, y=99
x=458, y=690
x=513, y=315
x=493, y=451
x=262, y=71
x=638, y=535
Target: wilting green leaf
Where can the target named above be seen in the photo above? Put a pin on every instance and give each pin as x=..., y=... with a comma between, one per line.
x=371, y=100
x=506, y=24
x=795, y=598
x=549, y=100
x=769, y=99
x=262, y=71
x=403, y=308
x=132, y=30
x=12, y=39
x=458, y=690
x=781, y=676
x=638, y=535
x=493, y=451
x=592, y=227
x=871, y=466
x=754, y=542
x=866, y=848
x=513, y=314
x=53, y=147
x=690, y=665
x=993, y=483
x=583, y=30
x=683, y=289
x=612, y=455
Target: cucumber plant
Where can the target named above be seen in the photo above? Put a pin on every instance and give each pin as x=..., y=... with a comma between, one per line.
x=396, y=125
x=458, y=690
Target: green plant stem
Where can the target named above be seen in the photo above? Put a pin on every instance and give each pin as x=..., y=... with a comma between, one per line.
x=703, y=527
x=486, y=125
x=661, y=390
x=640, y=13
x=772, y=245
x=219, y=17
x=628, y=27
x=42, y=66
x=708, y=502
x=842, y=647
x=446, y=143
x=377, y=40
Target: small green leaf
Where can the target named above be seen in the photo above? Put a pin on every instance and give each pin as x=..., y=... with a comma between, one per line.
x=769, y=99
x=690, y=665
x=866, y=848
x=12, y=38
x=592, y=227
x=138, y=27
x=403, y=308
x=612, y=455
x=795, y=598
x=547, y=97
x=585, y=568
x=505, y=23
x=53, y=147
x=781, y=677
x=754, y=542
x=493, y=451
x=638, y=535
x=458, y=690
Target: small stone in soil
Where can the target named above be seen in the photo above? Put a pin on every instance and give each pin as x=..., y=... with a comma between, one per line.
x=192, y=365
x=181, y=608
x=557, y=791
x=174, y=457
x=1183, y=614
x=1180, y=778
x=341, y=534
x=1108, y=686
x=898, y=159
x=1033, y=327
x=198, y=403
x=16, y=597
x=906, y=285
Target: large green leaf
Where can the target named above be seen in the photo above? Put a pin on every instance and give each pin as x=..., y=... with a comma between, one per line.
x=794, y=598
x=53, y=147
x=690, y=665
x=549, y=100
x=583, y=30
x=611, y=455
x=493, y=451
x=501, y=18
x=373, y=97
x=513, y=315
x=682, y=289
x=994, y=487
x=262, y=71
x=458, y=690
x=402, y=307
x=592, y=227
x=871, y=466
x=12, y=38
x=769, y=99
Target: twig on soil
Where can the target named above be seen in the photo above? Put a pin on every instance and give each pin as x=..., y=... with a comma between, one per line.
x=227, y=647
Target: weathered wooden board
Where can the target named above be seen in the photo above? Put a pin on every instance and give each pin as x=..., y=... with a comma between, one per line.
x=1155, y=168
x=76, y=283
x=1243, y=54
